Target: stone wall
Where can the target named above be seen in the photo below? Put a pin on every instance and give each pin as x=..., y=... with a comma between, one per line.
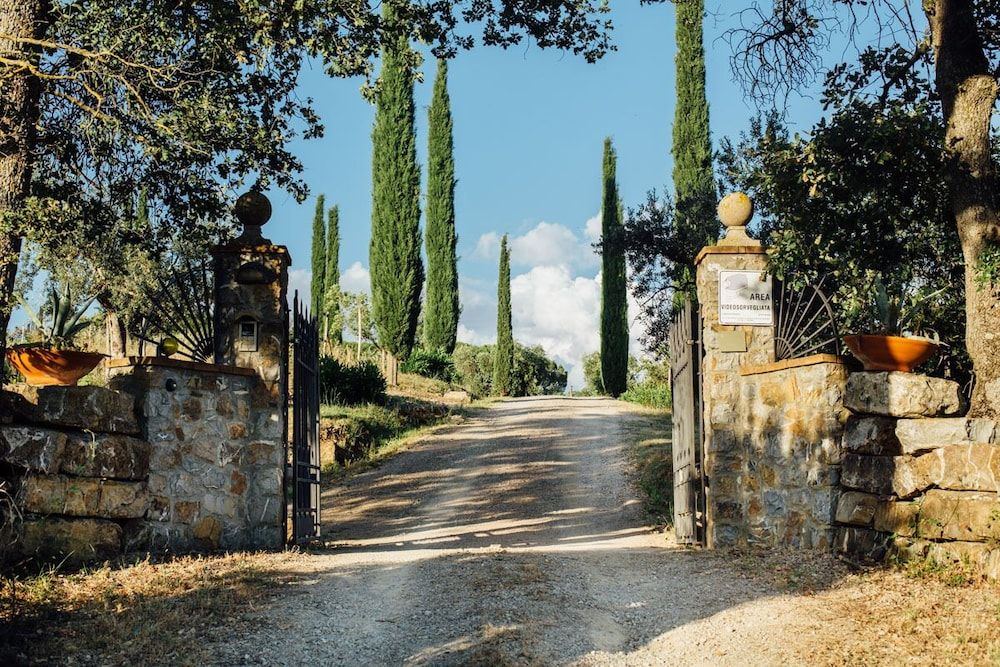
x=172, y=456
x=721, y=390
x=786, y=454
x=78, y=466
x=919, y=480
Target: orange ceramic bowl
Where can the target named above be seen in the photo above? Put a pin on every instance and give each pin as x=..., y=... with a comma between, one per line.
x=43, y=367
x=890, y=353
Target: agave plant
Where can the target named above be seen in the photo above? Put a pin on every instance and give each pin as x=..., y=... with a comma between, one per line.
x=904, y=313
x=66, y=323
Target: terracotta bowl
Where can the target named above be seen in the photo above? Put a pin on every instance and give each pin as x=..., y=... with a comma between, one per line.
x=43, y=367
x=890, y=353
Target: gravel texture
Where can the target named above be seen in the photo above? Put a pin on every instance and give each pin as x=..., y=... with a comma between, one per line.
x=516, y=538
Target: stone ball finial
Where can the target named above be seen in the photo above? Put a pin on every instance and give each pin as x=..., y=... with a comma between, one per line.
x=253, y=209
x=735, y=210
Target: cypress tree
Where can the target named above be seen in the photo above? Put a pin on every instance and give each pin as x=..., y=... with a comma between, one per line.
x=332, y=318
x=441, y=308
x=503, y=353
x=397, y=272
x=614, y=306
x=694, y=184
x=317, y=288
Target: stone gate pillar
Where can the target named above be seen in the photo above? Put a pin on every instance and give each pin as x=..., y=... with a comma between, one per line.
x=251, y=298
x=734, y=297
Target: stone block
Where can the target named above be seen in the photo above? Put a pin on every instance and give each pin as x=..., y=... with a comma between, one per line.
x=83, y=407
x=917, y=436
x=896, y=517
x=985, y=558
x=208, y=531
x=856, y=508
x=862, y=544
x=186, y=511
x=83, y=496
x=954, y=515
x=884, y=475
x=76, y=540
x=258, y=453
x=873, y=436
x=893, y=394
x=103, y=455
x=960, y=468
x=34, y=448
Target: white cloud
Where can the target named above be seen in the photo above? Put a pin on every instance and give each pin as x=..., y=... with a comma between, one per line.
x=356, y=279
x=556, y=303
x=488, y=246
x=561, y=313
x=592, y=229
x=300, y=280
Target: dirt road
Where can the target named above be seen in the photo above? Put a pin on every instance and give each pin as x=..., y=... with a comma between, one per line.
x=516, y=538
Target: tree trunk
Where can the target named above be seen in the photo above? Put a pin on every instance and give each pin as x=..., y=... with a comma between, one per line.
x=968, y=91
x=117, y=337
x=18, y=116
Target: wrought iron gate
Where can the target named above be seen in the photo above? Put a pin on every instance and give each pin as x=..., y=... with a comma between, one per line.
x=685, y=371
x=305, y=475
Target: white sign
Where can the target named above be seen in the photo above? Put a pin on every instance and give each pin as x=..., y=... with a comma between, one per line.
x=745, y=298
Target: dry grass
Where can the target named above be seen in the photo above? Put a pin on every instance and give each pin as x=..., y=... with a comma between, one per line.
x=911, y=614
x=137, y=613
x=896, y=619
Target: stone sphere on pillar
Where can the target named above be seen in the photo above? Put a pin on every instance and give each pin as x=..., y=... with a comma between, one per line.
x=253, y=210
x=735, y=210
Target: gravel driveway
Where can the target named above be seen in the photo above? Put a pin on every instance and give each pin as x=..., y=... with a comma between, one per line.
x=516, y=538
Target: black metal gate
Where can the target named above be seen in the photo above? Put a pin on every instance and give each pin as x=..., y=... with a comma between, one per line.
x=685, y=371
x=305, y=475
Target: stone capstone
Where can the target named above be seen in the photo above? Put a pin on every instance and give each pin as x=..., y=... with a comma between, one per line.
x=83, y=407
x=37, y=449
x=73, y=539
x=894, y=394
x=81, y=496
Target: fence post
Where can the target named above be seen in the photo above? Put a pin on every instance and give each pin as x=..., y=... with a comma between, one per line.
x=734, y=296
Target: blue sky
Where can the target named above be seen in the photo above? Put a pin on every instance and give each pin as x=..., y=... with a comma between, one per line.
x=529, y=127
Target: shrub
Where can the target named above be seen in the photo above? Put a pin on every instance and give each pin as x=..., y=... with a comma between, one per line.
x=533, y=374
x=430, y=363
x=650, y=394
x=350, y=384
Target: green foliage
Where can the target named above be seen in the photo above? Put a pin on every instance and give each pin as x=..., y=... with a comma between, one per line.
x=317, y=289
x=903, y=313
x=614, y=303
x=397, y=272
x=863, y=195
x=351, y=384
x=441, y=307
x=988, y=266
x=533, y=373
x=503, y=362
x=332, y=316
x=430, y=363
x=592, y=373
x=65, y=319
